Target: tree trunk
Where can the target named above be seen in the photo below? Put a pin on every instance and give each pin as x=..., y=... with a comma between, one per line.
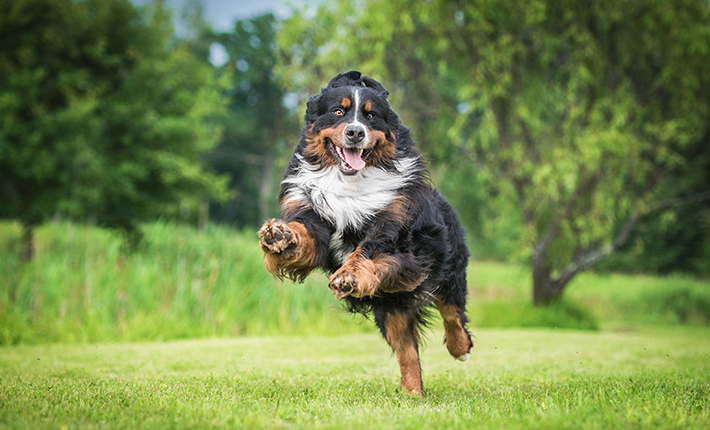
x=204, y=216
x=545, y=289
x=27, y=250
x=267, y=180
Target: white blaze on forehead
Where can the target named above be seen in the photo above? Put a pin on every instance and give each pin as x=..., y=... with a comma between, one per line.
x=356, y=118
x=348, y=201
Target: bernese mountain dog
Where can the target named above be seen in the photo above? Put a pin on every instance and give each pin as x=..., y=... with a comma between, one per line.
x=356, y=202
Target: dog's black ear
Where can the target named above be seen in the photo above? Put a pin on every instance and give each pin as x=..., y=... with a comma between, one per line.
x=379, y=89
x=352, y=78
x=312, y=106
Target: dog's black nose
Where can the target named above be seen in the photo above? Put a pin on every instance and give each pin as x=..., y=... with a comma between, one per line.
x=354, y=133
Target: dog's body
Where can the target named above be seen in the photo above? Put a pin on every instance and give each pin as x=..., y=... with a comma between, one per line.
x=356, y=202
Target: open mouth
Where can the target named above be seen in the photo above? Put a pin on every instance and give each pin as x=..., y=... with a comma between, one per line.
x=350, y=160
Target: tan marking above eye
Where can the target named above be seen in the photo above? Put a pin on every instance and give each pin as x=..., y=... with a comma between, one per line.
x=345, y=102
x=368, y=106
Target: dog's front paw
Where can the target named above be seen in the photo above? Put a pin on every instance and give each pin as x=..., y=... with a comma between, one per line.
x=343, y=283
x=276, y=237
x=347, y=283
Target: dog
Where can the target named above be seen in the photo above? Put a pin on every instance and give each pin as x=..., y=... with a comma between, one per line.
x=356, y=202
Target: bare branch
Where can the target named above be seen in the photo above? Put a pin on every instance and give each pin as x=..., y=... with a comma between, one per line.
x=674, y=203
x=591, y=258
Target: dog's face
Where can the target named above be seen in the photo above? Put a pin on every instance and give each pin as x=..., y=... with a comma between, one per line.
x=350, y=125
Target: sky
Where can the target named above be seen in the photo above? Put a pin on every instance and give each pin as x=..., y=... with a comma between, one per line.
x=222, y=13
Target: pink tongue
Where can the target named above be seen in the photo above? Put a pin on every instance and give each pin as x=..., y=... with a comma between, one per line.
x=352, y=157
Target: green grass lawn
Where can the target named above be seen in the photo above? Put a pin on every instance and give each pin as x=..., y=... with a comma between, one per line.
x=517, y=378
x=642, y=360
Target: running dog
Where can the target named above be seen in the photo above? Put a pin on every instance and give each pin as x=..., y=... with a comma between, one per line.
x=356, y=202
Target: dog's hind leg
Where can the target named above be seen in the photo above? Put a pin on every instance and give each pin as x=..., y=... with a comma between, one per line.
x=400, y=331
x=458, y=340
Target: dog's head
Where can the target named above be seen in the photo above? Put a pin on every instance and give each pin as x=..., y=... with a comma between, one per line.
x=350, y=125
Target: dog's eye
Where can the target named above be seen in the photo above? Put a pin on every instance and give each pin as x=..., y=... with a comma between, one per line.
x=339, y=112
x=370, y=115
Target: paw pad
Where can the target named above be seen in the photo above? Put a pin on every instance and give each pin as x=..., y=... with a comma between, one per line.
x=277, y=238
x=343, y=284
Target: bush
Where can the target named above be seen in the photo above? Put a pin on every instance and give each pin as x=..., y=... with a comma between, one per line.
x=562, y=314
x=680, y=305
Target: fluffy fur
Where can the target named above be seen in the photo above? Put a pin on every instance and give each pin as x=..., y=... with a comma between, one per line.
x=356, y=202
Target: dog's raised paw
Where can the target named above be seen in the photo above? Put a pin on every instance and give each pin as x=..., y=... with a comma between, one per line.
x=343, y=283
x=276, y=237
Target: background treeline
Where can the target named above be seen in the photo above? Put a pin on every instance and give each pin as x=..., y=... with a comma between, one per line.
x=568, y=135
x=111, y=118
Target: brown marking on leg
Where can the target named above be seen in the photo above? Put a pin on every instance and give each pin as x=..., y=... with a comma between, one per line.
x=363, y=277
x=290, y=207
x=345, y=102
x=392, y=280
x=458, y=342
x=400, y=333
x=397, y=211
x=358, y=276
x=289, y=250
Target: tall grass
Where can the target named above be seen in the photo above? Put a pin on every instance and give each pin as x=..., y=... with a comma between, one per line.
x=83, y=286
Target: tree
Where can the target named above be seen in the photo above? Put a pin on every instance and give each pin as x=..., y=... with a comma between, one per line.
x=258, y=126
x=675, y=239
x=103, y=114
x=576, y=113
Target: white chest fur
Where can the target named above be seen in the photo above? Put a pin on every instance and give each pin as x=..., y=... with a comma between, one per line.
x=348, y=201
x=338, y=250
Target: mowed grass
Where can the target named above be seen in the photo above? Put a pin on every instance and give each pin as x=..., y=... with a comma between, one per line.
x=645, y=363
x=517, y=378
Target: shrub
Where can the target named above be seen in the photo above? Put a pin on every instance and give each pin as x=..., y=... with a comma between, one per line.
x=562, y=314
x=680, y=305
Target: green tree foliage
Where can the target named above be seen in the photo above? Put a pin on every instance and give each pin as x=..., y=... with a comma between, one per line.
x=103, y=114
x=576, y=114
x=258, y=128
x=677, y=238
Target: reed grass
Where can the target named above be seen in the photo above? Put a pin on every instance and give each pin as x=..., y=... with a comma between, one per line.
x=85, y=285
